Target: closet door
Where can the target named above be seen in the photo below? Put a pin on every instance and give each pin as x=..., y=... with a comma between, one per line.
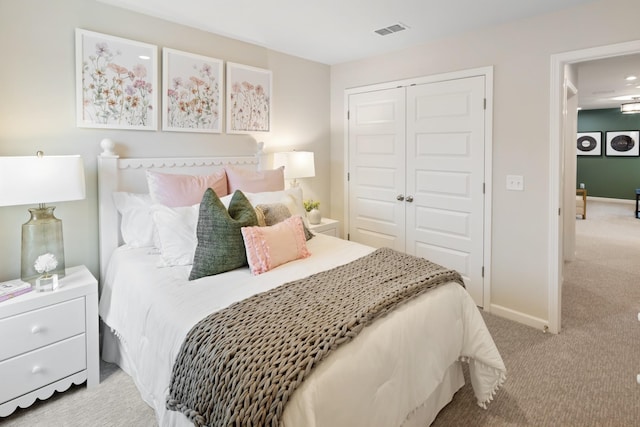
x=445, y=174
x=377, y=168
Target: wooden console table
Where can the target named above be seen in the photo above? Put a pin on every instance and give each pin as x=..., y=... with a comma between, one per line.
x=581, y=202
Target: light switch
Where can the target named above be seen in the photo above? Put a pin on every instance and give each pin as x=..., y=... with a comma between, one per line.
x=515, y=182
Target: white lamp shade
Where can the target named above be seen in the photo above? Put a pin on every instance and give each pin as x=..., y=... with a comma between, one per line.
x=28, y=180
x=297, y=164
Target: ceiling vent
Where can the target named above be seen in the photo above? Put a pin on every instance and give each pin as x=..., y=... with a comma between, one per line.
x=391, y=29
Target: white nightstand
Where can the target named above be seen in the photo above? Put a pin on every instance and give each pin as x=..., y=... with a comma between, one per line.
x=49, y=340
x=327, y=226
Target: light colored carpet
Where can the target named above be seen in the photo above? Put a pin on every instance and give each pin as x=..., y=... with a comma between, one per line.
x=115, y=402
x=585, y=376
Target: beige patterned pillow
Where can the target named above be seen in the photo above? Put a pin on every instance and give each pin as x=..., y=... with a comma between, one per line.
x=275, y=213
x=261, y=219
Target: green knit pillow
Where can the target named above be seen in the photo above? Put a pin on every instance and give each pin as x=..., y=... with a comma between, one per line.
x=220, y=245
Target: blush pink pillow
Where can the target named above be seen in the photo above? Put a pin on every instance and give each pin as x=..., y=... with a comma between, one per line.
x=255, y=181
x=175, y=190
x=269, y=247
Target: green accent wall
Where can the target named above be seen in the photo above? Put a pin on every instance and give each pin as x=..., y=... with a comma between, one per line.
x=611, y=177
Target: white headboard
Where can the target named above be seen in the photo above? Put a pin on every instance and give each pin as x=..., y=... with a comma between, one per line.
x=128, y=174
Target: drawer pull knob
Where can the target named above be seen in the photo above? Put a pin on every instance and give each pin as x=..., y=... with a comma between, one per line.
x=36, y=369
x=36, y=329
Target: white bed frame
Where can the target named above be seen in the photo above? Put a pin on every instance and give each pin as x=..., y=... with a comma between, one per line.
x=128, y=174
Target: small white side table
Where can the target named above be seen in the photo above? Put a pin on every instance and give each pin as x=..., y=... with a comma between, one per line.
x=49, y=341
x=327, y=226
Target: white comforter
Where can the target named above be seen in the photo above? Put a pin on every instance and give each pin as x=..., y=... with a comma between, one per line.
x=379, y=378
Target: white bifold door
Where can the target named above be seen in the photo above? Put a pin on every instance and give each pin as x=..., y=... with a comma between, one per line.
x=416, y=173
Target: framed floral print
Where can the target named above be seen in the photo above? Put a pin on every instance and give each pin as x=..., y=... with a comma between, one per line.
x=191, y=92
x=116, y=82
x=248, y=99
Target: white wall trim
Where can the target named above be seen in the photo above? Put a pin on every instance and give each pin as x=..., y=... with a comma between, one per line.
x=610, y=200
x=487, y=72
x=558, y=62
x=519, y=317
x=488, y=185
x=461, y=74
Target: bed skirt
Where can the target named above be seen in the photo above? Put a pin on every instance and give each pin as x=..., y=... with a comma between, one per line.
x=423, y=415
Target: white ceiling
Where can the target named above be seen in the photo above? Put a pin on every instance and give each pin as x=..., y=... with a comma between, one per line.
x=336, y=31
x=602, y=83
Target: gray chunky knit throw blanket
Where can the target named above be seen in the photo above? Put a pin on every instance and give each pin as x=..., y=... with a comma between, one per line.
x=239, y=366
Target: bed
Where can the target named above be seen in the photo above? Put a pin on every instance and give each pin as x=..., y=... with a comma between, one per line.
x=402, y=369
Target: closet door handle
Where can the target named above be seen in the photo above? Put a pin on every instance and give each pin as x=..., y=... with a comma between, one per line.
x=409, y=199
x=400, y=197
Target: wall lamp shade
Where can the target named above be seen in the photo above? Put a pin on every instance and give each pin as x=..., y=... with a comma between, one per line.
x=39, y=180
x=297, y=164
x=631, y=107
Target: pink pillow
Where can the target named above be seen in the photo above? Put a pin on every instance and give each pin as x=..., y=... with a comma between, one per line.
x=255, y=181
x=175, y=190
x=269, y=247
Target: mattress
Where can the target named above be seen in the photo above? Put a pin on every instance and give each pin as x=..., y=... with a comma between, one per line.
x=393, y=370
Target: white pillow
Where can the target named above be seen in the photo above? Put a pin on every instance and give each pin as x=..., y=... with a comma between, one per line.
x=136, y=224
x=176, y=230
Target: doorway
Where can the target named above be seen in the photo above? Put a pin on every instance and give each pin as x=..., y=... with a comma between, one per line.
x=557, y=152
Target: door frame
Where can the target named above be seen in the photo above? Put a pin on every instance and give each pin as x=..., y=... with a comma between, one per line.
x=556, y=161
x=487, y=72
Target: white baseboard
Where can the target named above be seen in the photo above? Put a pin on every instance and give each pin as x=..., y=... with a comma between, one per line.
x=516, y=316
x=608, y=200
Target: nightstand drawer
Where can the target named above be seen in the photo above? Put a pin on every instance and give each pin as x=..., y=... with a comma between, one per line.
x=331, y=232
x=33, y=370
x=327, y=226
x=44, y=326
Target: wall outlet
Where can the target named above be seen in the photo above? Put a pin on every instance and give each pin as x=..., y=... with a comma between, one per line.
x=515, y=182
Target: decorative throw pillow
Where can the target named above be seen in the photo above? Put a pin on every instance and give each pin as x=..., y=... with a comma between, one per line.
x=277, y=212
x=292, y=197
x=254, y=181
x=260, y=216
x=271, y=246
x=176, y=230
x=274, y=212
x=220, y=245
x=175, y=190
x=136, y=225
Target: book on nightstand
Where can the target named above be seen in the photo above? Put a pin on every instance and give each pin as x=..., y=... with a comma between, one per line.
x=13, y=288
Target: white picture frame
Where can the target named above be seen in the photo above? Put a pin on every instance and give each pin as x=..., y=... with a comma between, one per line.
x=192, y=87
x=623, y=144
x=589, y=144
x=116, y=82
x=248, y=97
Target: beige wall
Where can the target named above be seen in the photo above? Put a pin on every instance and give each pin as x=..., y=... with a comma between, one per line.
x=37, y=111
x=520, y=53
x=37, y=85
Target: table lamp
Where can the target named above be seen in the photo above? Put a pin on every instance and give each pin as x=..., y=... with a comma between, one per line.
x=297, y=164
x=39, y=180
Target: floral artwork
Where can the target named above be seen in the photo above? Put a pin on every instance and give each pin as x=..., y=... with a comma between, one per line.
x=116, y=82
x=248, y=99
x=191, y=93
